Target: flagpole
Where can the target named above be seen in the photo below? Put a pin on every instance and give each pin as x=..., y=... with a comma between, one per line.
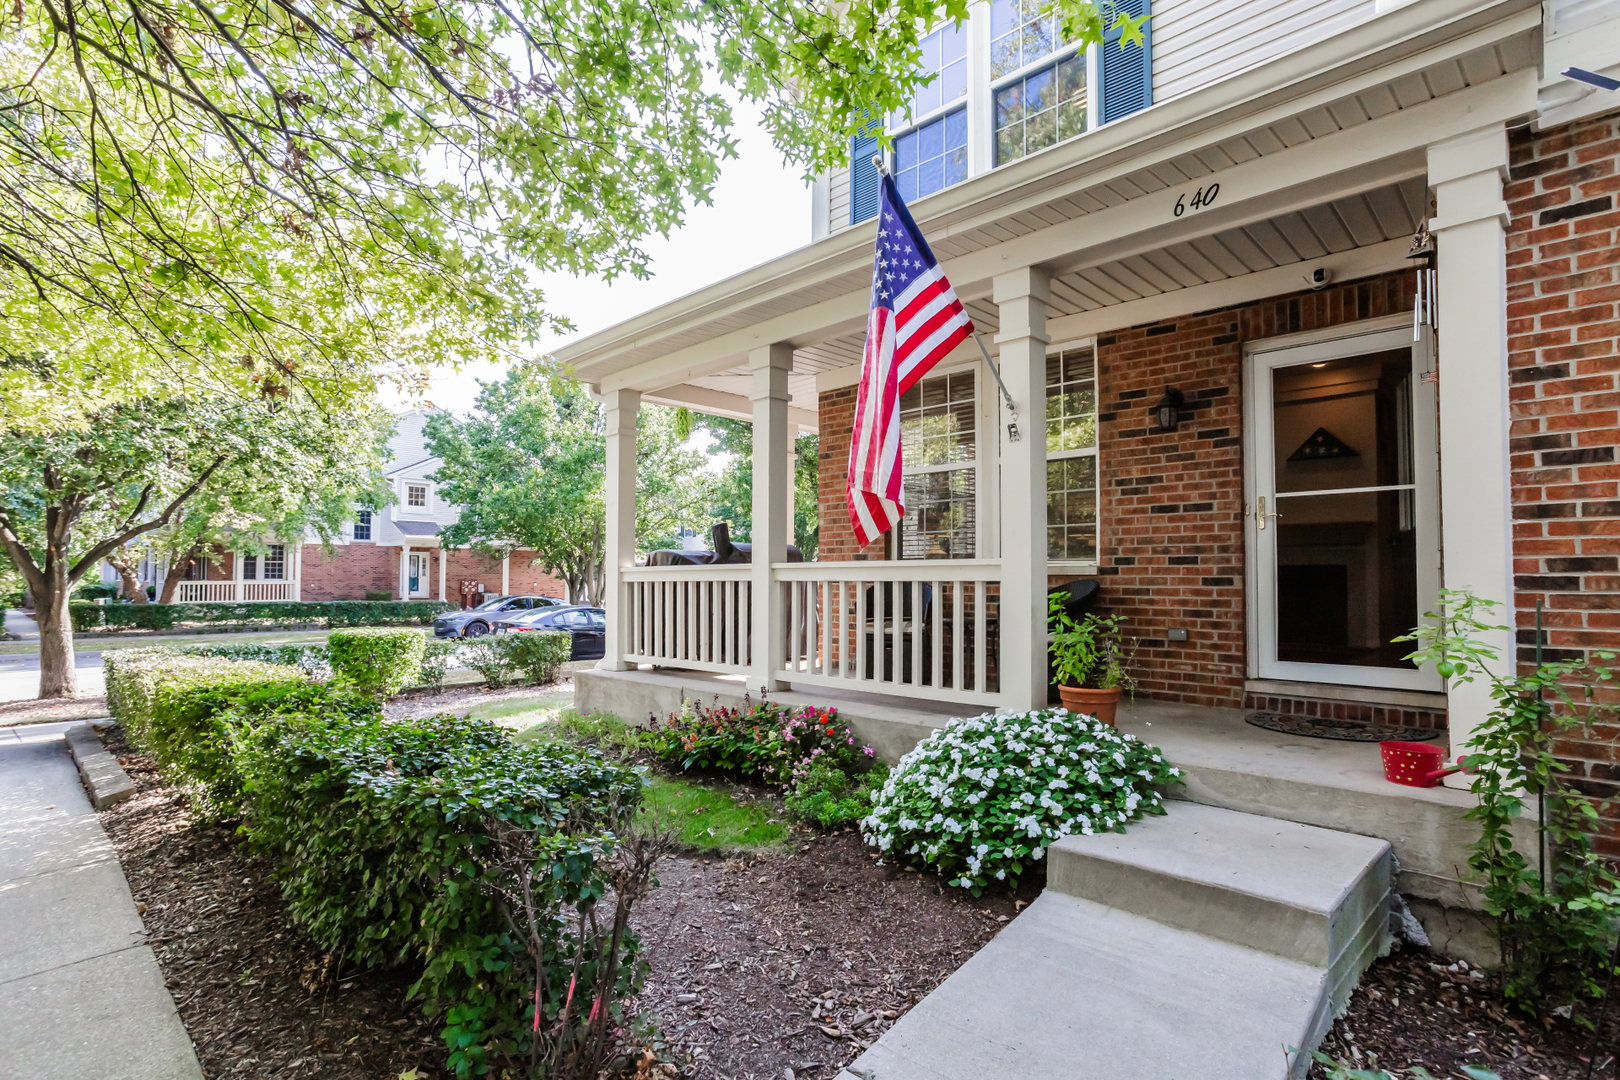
x=1012, y=407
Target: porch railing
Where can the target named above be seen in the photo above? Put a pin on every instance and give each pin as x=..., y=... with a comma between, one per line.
x=228, y=592
x=912, y=629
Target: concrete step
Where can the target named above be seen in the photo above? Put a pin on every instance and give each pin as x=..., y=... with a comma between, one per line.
x=1294, y=890
x=1195, y=945
x=1074, y=989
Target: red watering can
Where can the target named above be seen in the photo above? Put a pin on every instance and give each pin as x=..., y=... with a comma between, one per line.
x=1415, y=764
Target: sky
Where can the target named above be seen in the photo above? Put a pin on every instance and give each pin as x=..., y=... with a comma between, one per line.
x=761, y=209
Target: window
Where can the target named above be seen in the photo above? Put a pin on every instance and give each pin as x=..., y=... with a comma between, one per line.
x=362, y=525
x=938, y=452
x=1019, y=35
x=250, y=567
x=1037, y=110
x=275, y=562
x=1071, y=456
x=944, y=55
x=933, y=157
x=416, y=495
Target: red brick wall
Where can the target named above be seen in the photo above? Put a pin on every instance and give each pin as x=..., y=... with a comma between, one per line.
x=349, y=572
x=530, y=578
x=837, y=420
x=1563, y=286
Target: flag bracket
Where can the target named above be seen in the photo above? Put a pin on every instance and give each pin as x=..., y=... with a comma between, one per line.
x=1012, y=408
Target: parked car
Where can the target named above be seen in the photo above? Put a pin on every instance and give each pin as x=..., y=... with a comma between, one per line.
x=587, y=624
x=476, y=622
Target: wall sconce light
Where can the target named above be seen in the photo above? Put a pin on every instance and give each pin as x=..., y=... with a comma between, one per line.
x=1168, y=410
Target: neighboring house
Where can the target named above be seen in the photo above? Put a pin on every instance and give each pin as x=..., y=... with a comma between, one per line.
x=395, y=550
x=1235, y=406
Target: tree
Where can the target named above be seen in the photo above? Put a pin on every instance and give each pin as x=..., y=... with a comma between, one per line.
x=527, y=469
x=732, y=442
x=70, y=499
x=311, y=190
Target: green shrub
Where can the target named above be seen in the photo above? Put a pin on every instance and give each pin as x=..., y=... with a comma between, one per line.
x=376, y=661
x=398, y=842
x=491, y=657
x=808, y=737
x=436, y=654
x=982, y=798
x=309, y=658
x=92, y=593
x=379, y=594
x=539, y=654
x=334, y=613
x=173, y=706
x=830, y=798
x=742, y=741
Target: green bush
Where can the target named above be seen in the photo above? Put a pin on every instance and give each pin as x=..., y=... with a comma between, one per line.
x=333, y=613
x=491, y=657
x=436, y=654
x=174, y=707
x=379, y=594
x=397, y=842
x=539, y=654
x=92, y=593
x=722, y=738
x=376, y=661
x=309, y=658
x=982, y=798
x=830, y=798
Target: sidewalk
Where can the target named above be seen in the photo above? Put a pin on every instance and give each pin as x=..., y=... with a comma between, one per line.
x=81, y=995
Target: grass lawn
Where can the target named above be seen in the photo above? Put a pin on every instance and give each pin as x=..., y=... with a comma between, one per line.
x=522, y=714
x=712, y=820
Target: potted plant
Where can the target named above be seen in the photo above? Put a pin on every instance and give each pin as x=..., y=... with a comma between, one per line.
x=1090, y=661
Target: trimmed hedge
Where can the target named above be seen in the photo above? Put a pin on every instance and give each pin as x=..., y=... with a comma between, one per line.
x=333, y=613
x=395, y=842
x=311, y=659
x=173, y=706
x=377, y=661
x=539, y=654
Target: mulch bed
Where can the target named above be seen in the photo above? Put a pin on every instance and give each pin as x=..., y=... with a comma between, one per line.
x=756, y=941
x=48, y=710
x=1416, y=1009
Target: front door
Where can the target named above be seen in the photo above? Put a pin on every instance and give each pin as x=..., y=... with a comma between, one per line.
x=1343, y=508
x=418, y=575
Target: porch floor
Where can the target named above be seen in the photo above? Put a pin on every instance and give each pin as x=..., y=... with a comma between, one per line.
x=1227, y=762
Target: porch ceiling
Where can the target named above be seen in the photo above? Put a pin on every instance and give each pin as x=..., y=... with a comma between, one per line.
x=1028, y=212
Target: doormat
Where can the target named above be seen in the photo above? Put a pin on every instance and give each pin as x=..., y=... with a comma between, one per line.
x=1315, y=727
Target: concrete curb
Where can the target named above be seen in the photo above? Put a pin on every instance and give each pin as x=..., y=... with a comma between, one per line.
x=104, y=779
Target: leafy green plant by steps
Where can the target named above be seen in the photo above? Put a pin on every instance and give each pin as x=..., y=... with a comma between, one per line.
x=830, y=798
x=539, y=654
x=439, y=841
x=1339, y=1069
x=336, y=613
x=1089, y=652
x=982, y=798
x=376, y=661
x=1555, y=925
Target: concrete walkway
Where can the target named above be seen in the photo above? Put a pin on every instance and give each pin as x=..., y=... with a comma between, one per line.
x=81, y=995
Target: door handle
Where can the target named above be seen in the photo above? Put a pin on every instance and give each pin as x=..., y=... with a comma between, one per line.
x=1260, y=513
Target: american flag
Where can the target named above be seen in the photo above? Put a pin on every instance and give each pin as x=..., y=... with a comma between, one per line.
x=915, y=321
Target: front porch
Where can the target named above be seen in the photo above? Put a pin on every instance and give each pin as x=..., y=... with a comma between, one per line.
x=1228, y=763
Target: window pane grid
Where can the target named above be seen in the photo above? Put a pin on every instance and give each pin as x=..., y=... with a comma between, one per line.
x=933, y=157
x=415, y=495
x=1071, y=446
x=944, y=55
x=362, y=525
x=275, y=563
x=1020, y=34
x=938, y=451
x=1041, y=109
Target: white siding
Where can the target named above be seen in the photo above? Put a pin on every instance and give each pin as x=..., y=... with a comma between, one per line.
x=1196, y=42
x=838, y=201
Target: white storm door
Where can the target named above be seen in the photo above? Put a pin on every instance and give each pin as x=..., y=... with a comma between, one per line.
x=1342, y=518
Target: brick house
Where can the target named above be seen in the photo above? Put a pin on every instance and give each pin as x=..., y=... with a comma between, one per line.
x=1295, y=336
x=395, y=550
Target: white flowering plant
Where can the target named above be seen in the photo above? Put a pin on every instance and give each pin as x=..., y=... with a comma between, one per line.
x=984, y=797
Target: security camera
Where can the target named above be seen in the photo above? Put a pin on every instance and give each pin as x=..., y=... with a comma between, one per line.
x=1319, y=278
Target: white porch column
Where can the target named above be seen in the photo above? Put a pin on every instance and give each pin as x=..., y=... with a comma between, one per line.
x=620, y=548
x=1476, y=513
x=405, y=572
x=770, y=366
x=506, y=574
x=444, y=563
x=1021, y=296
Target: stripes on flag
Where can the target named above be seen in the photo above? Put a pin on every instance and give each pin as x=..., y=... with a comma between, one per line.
x=915, y=321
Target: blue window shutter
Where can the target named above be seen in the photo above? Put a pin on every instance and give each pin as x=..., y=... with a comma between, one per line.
x=1127, y=74
x=865, y=182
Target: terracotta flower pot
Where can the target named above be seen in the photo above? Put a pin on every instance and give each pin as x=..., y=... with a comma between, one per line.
x=1099, y=703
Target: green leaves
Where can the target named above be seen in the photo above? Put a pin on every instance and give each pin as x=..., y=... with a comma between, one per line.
x=376, y=661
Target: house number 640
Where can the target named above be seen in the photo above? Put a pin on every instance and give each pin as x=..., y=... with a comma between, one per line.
x=1202, y=198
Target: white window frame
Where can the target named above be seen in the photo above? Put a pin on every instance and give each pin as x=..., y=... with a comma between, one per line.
x=369, y=524
x=427, y=496
x=264, y=563
x=1051, y=59
x=895, y=132
x=981, y=504
x=1081, y=566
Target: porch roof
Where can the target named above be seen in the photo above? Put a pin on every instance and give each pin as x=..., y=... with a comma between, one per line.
x=1320, y=152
